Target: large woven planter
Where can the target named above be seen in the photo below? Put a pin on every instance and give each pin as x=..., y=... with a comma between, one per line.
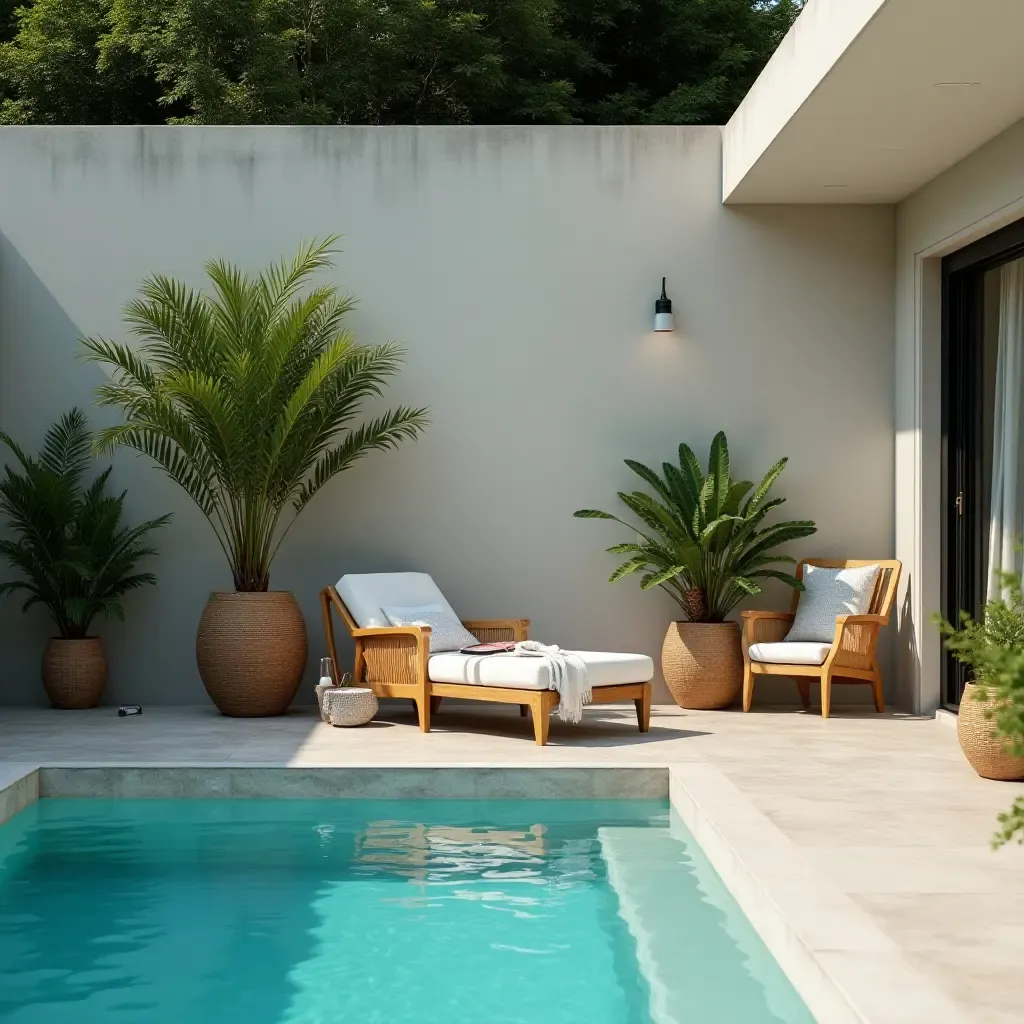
x=983, y=749
x=74, y=672
x=251, y=652
x=703, y=664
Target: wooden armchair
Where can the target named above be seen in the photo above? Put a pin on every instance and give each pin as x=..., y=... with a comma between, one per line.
x=852, y=656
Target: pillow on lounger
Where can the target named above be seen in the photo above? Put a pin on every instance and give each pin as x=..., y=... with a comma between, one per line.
x=446, y=632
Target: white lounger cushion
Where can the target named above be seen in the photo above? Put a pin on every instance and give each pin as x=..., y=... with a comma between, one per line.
x=790, y=652
x=366, y=595
x=605, y=669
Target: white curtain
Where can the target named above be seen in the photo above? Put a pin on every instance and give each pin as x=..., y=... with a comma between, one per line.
x=1007, y=510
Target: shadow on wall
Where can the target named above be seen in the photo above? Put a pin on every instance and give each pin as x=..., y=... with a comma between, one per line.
x=41, y=376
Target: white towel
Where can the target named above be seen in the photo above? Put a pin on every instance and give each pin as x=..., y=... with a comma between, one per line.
x=569, y=676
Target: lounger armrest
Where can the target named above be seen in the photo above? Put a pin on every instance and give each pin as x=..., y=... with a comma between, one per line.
x=852, y=620
x=371, y=631
x=498, y=630
x=766, y=627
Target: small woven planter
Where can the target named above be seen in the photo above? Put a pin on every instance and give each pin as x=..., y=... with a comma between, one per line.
x=74, y=672
x=251, y=652
x=346, y=706
x=985, y=751
x=703, y=664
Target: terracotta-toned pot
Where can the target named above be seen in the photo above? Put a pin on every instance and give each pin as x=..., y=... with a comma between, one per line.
x=251, y=651
x=985, y=751
x=703, y=664
x=74, y=672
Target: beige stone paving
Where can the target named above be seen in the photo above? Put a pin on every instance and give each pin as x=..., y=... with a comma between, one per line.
x=886, y=807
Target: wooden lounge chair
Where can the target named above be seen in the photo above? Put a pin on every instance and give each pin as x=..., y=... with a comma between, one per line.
x=395, y=661
x=850, y=658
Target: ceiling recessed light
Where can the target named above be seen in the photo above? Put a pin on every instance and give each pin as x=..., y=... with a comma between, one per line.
x=836, y=186
x=954, y=85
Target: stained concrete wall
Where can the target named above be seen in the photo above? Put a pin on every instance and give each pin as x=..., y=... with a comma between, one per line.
x=519, y=267
x=977, y=196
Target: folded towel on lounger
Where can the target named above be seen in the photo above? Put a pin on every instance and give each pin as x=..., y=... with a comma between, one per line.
x=569, y=676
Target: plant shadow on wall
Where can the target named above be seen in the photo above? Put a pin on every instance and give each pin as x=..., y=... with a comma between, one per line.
x=75, y=556
x=990, y=724
x=248, y=398
x=705, y=542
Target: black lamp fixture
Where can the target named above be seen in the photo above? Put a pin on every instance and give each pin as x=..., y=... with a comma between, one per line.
x=663, y=311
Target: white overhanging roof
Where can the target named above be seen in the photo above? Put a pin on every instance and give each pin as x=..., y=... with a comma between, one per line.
x=867, y=100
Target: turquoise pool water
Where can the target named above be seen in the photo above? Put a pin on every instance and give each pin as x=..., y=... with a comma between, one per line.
x=367, y=912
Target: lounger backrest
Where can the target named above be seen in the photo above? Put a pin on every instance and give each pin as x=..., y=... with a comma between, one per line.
x=365, y=594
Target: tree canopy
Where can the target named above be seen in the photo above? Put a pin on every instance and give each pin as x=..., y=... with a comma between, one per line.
x=383, y=61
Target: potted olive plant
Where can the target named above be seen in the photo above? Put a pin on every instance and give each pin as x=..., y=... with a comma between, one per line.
x=247, y=396
x=74, y=555
x=990, y=723
x=705, y=541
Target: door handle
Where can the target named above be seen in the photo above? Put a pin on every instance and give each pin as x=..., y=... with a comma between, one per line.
x=960, y=504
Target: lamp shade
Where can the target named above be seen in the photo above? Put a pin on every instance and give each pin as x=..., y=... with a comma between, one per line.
x=663, y=320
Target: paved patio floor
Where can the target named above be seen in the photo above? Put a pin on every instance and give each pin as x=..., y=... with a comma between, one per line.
x=885, y=806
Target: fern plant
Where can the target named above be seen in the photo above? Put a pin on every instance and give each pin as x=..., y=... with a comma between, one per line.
x=704, y=538
x=71, y=549
x=994, y=650
x=248, y=397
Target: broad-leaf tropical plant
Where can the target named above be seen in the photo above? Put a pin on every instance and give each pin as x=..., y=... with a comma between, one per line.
x=248, y=395
x=74, y=555
x=704, y=537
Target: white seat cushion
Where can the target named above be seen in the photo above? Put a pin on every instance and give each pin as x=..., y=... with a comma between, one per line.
x=790, y=652
x=366, y=594
x=604, y=668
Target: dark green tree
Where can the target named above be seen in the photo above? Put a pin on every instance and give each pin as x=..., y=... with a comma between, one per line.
x=398, y=62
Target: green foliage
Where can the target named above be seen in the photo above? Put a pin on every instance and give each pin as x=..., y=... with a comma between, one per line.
x=72, y=552
x=994, y=649
x=247, y=397
x=705, y=540
x=403, y=62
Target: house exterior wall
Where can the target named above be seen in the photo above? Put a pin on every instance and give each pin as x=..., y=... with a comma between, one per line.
x=519, y=267
x=980, y=194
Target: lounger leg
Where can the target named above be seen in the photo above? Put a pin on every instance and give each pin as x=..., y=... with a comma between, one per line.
x=805, y=692
x=541, y=718
x=748, y=687
x=643, y=708
x=523, y=710
x=826, y=695
x=876, y=686
x=435, y=704
x=423, y=711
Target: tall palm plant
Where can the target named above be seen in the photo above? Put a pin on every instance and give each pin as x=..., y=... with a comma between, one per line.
x=704, y=540
x=248, y=395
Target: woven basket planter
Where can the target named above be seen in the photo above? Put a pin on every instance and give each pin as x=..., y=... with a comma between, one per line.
x=346, y=706
x=251, y=652
x=985, y=751
x=74, y=672
x=703, y=664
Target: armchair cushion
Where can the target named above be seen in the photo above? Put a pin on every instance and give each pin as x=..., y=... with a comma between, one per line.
x=789, y=652
x=828, y=594
x=366, y=594
x=446, y=632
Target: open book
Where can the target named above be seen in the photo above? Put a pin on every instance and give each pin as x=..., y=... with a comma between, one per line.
x=499, y=648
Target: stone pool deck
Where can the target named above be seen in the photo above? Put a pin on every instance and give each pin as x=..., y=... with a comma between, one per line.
x=859, y=846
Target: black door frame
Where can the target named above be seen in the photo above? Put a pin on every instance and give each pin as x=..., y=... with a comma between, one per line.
x=962, y=442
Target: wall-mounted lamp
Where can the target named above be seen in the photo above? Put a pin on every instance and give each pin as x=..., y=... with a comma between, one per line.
x=663, y=311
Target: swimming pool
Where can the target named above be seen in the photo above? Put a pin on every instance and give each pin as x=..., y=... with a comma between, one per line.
x=372, y=912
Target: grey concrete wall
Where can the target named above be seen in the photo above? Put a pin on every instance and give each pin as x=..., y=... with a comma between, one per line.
x=519, y=266
x=977, y=196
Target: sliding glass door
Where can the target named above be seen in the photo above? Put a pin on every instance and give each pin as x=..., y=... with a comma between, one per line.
x=983, y=425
